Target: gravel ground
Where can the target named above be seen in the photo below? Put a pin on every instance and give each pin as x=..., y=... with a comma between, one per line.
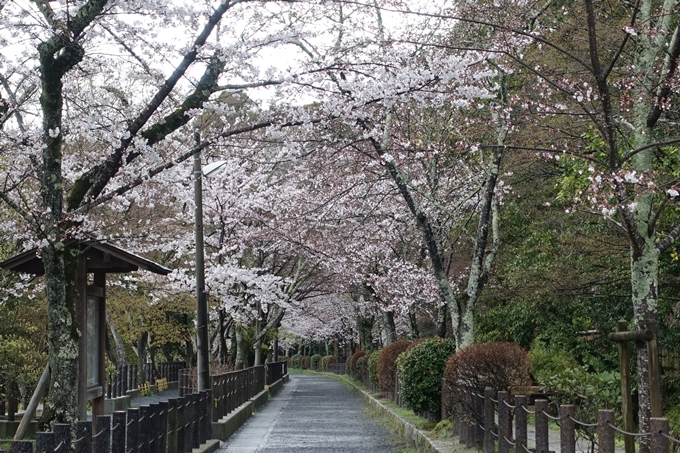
x=153, y=399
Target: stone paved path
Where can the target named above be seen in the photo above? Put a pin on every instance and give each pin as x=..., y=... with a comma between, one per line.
x=311, y=414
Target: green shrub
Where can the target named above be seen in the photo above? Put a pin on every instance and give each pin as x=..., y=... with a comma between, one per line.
x=295, y=361
x=348, y=363
x=372, y=364
x=421, y=368
x=314, y=362
x=548, y=362
x=588, y=392
x=353, y=363
x=386, y=365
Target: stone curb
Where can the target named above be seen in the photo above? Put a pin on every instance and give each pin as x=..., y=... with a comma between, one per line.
x=407, y=430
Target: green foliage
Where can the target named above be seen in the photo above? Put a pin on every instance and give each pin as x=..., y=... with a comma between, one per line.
x=314, y=362
x=353, y=363
x=588, y=392
x=421, y=368
x=546, y=362
x=295, y=361
x=373, y=367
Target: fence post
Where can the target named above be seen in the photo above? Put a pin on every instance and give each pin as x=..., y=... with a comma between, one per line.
x=567, y=429
x=188, y=425
x=172, y=425
x=83, y=443
x=659, y=442
x=118, y=432
x=521, y=403
x=132, y=431
x=144, y=433
x=503, y=423
x=154, y=428
x=477, y=419
x=45, y=442
x=209, y=411
x=20, y=446
x=102, y=437
x=202, y=421
x=181, y=422
x=470, y=438
x=163, y=422
x=542, y=444
x=489, y=421
x=195, y=417
x=605, y=433
x=62, y=431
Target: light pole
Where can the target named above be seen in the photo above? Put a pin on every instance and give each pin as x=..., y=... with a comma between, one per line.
x=202, y=343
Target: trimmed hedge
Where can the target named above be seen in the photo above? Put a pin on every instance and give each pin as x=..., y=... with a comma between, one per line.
x=386, y=368
x=421, y=368
x=314, y=362
x=295, y=361
x=353, y=362
x=372, y=365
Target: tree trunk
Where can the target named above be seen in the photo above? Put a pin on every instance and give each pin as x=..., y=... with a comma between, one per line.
x=142, y=343
x=413, y=324
x=365, y=327
x=389, y=327
x=119, y=350
x=243, y=347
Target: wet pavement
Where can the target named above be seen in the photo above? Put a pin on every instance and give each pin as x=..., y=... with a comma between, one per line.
x=311, y=414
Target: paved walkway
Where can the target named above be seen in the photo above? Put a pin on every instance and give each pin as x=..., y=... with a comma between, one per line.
x=311, y=414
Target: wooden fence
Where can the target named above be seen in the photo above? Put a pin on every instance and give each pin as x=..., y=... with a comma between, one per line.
x=232, y=389
x=478, y=429
x=175, y=426
x=126, y=377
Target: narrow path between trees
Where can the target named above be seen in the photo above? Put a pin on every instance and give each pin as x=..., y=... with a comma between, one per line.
x=311, y=414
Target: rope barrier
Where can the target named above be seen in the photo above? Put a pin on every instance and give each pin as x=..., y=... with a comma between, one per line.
x=586, y=425
x=99, y=433
x=618, y=430
x=509, y=405
x=551, y=417
x=78, y=440
x=672, y=439
x=58, y=447
x=512, y=444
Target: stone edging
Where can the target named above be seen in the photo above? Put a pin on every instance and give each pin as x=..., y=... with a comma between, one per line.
x=407, y=430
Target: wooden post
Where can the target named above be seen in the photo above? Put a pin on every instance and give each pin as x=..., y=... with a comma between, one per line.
x=132, y=431
x=521, y=437
x=62, y=432
x=83, y=443
x=605, y=432
x=542, y=442
x=504, y=436
x=172, y=426
x=20, y=446
x=470, y=439
x=489, y=421
x=567, y=429
x=626, y=398
x=477, y=418
x=659, y=442
x=102, y=436
x=45, y=442
x=118, y=432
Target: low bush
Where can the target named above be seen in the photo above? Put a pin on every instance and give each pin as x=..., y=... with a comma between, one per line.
x=372, y=365
x=295, y=361
x=547, y=362
x=329, y=361
x=421, y=368
x=353, y=362
x=314, y=362
x=588, y=392
x=498, y=365
x=348, y=362
x=386, y=368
